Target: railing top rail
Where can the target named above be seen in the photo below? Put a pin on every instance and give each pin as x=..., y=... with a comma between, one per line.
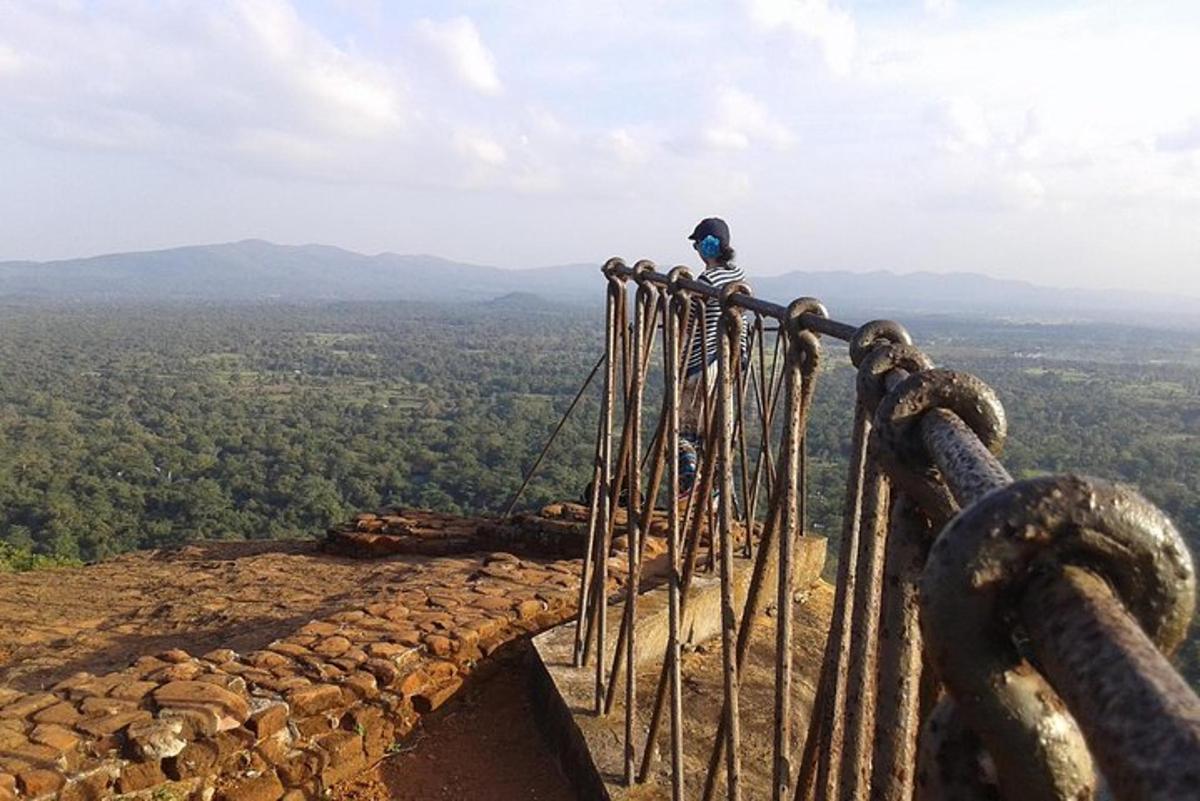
x=809, y=321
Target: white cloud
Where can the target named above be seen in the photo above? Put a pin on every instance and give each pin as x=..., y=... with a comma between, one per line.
x=203, y=78
x=1067, y=129
x=459, y=43
x=940, y=8
x=816, y=21
x=10, y=61
x=742, y=117
x=625, y=148
x=480, y=148
x=1183, y=138
x=962, y=125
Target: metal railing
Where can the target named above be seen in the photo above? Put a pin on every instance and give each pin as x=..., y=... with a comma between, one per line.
x=988, y=636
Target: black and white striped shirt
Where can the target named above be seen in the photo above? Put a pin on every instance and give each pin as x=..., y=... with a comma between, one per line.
x=709, y=310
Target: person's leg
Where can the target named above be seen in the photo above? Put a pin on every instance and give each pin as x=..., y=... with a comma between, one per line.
x=692, y=410
x=691, y=405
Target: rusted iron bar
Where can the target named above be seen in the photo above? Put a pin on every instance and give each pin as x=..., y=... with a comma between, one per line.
x=616, y=294
x=671, y=321
x=744, y=300
x=981, y=569
x=852, y=781
x=800, y=373
x=799, y=403
x=730, y=338
x=1140, y=718
x=621, y=340
x=622, y=461
x=740, y=386
x=967, y=466
x=633, y=528
x=873, y=351
x=854, y=773
x=773, y=388
x=898, y=698
x=658, y=449
x=553, y=436
x=759, y=386
x=585, y=579
x=799, y=376
x=752, y=609
x=824, y=738
x=708, y=408
x=807, y=774
x=691, y=546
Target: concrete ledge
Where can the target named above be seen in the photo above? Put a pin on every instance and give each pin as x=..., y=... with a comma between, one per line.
x=590, y=747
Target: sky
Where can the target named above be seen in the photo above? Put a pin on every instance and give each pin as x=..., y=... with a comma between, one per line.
x=1056, y=142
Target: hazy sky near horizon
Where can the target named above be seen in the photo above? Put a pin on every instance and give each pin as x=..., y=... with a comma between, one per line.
x=1057, y=142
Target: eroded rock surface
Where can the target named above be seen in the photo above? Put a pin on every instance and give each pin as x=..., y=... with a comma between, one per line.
x=273, y=703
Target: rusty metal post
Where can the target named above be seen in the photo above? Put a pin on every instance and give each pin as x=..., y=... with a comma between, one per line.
x=855, y=769
x=671, y=365
x=616, y=289
x=821, y=766
x=729, y=328
x=898, y=699
x=826, y=724
x=781, y=774
x=623, y=462
x=808, y=349
x=691, y=548
x=584, y=620
x=633, y=528
x=881, y=368
x=658, y=449
x=799, y=377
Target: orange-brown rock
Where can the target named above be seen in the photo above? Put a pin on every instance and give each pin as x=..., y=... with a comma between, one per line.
x=62, y=714
x=231, y=709
x=265, y=787
x=316, y=698
x=332, y=646
x=315, y=705
x=268, y=720
x=345, y=755
x=139, y=776
x=98, y=706
x=39, y=781
x=132, y=690
x=196, y=759
x=56, y=737
x=104, y=725
x=25, y=706
x=431, y=698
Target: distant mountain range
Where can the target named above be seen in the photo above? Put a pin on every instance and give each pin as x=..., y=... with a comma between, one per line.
x=255, y=271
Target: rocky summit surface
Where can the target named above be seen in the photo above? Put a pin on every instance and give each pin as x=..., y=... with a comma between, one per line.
x=271, y=670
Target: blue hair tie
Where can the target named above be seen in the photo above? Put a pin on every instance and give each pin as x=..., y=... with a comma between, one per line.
x=710, y=247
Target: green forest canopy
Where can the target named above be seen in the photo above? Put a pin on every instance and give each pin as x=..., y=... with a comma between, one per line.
x=152, y=426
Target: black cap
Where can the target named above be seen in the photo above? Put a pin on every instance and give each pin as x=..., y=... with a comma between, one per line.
x=711, y=226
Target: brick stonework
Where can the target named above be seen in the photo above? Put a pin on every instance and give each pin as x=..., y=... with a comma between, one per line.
x=318, y=706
